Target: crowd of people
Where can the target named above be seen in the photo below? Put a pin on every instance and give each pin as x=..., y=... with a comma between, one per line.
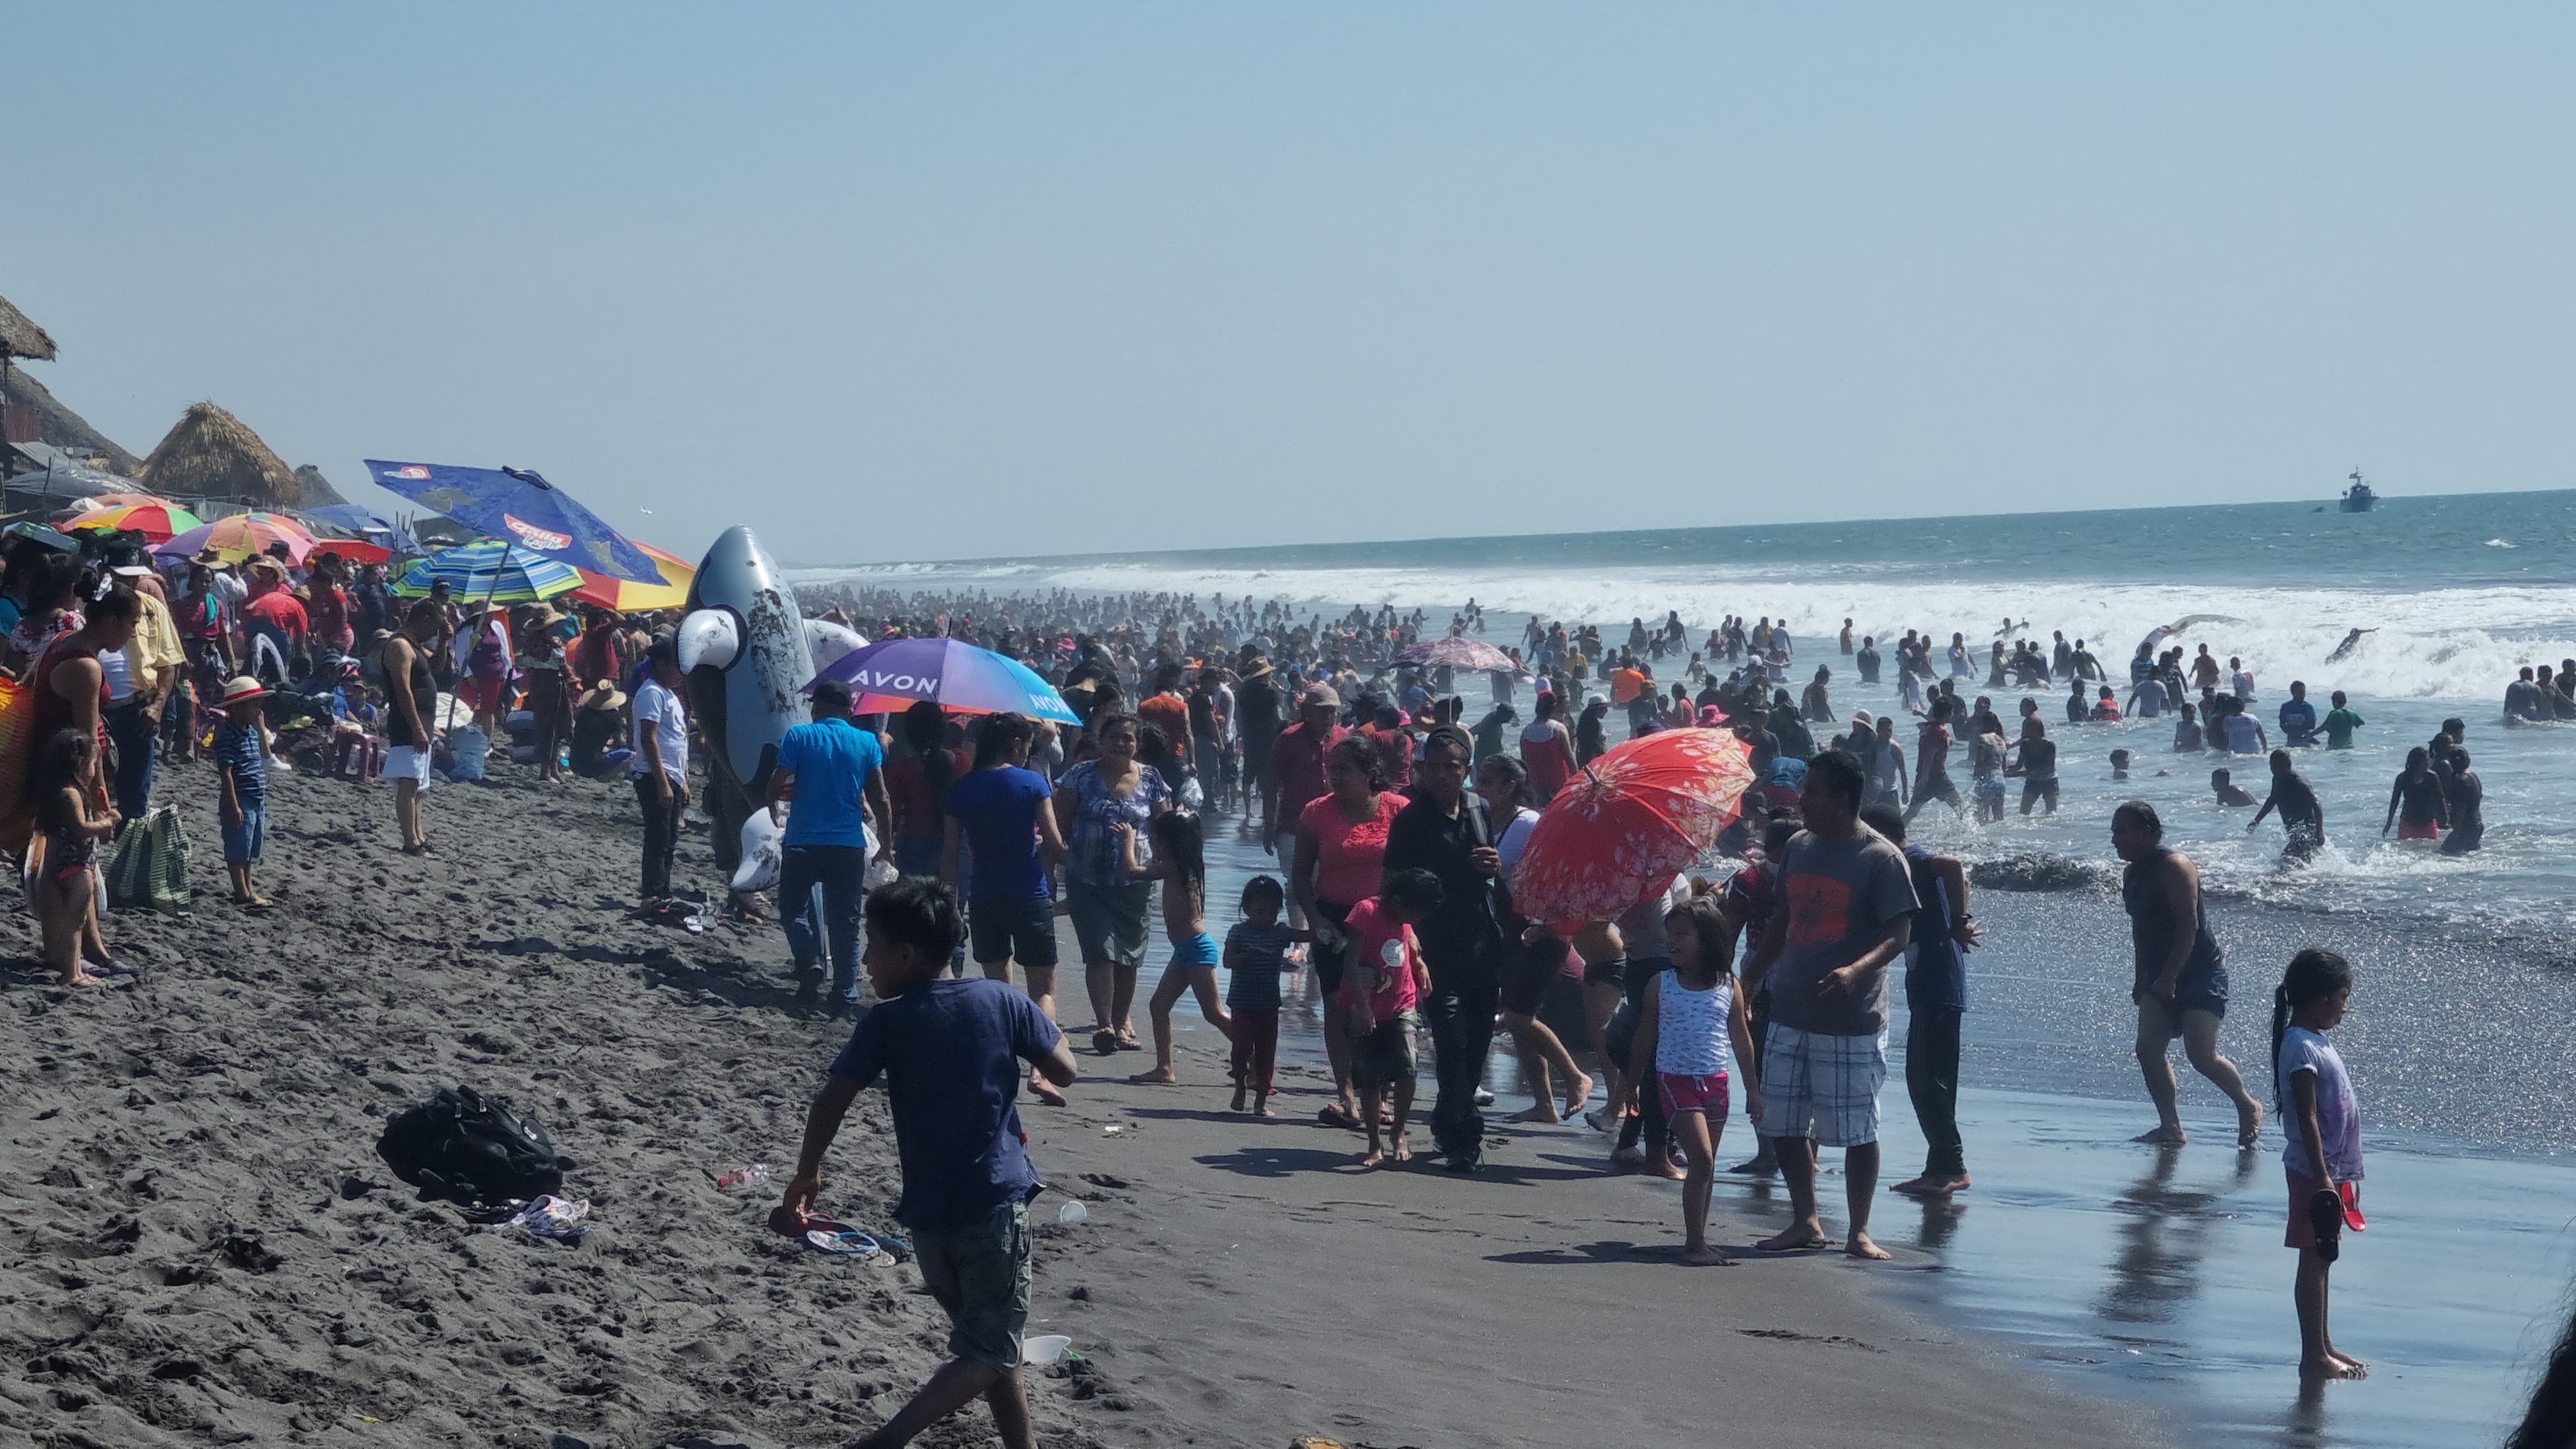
x=1763, y=986
x=915, y=842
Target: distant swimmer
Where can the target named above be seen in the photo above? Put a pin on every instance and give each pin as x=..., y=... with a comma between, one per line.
x=2351, y=641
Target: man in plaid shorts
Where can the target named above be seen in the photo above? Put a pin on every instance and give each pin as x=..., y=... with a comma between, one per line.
x=1846, y=908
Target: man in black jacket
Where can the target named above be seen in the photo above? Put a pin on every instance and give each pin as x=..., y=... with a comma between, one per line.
x=1445, y=830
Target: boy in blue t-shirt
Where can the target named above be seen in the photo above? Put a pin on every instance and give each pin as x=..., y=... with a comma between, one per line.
x=241, y=770
x=1256, y=951
x=950, y=1051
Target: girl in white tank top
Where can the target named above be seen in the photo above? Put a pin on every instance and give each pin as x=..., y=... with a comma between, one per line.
x=1692, y=1029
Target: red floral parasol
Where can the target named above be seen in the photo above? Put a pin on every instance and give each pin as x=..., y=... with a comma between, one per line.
x=1457, y=653
x=1627, y=823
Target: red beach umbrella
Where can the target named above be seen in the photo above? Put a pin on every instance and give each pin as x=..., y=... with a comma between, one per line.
x=1630, y=821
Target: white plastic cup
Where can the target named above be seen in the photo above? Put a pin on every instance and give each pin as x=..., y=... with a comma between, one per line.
x=1044, y=1349
x=1072, y=1213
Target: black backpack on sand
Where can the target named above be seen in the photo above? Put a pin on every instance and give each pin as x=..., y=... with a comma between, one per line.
x=471, y=1150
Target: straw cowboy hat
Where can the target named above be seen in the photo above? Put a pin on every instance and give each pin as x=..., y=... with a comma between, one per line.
x=242, y=689
x=602, y=695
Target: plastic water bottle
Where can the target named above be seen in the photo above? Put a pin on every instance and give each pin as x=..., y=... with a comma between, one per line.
x=752, y=1175
x=1072, y=1214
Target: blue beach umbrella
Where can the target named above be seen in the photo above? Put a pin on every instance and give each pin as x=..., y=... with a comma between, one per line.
x=489, y=570
x=522, y=509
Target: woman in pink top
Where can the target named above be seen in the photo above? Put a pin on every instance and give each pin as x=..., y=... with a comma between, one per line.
x=1341, y=852
x=1547, y=751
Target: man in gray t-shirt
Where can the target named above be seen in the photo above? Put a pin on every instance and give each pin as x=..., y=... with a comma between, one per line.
x=1846, y=911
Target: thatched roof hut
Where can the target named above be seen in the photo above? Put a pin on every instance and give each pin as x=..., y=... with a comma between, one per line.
x=65, y=429
x=317, y=490
x=212, y=454
x=21, y=337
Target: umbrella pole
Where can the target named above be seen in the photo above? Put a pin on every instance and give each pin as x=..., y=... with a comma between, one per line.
x=496, y=576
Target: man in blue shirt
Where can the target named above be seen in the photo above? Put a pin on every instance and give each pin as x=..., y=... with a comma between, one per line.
x=950, y=1051
x=2298, y=717
x=836, y=772
x=1001, y=836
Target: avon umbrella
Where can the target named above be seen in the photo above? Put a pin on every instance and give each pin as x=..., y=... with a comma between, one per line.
x=888, y=677
x=1456, y=653
x=1630, y=821
x=521, y=508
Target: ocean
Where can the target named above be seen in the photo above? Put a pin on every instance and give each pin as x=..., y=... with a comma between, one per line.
x=2462, y=590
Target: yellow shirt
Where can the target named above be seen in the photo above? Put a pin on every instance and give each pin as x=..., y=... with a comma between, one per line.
x=155, y=646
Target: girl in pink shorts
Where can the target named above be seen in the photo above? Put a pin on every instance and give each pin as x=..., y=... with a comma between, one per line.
x=1692, y=1029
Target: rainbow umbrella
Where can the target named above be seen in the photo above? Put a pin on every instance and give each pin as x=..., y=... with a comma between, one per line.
x=155, y=520
x=490, y=570
x=242, y=536
x=611, y=592
x=898, y=673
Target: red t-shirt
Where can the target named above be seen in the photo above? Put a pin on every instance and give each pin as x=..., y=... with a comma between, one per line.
x=1350, y=860
x=908, y=791
x=281, y=609
x=1385, y=958
x=1297, y=762
x=1394, y=754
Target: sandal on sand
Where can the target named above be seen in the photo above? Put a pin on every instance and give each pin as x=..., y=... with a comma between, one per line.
x=1338, y=1116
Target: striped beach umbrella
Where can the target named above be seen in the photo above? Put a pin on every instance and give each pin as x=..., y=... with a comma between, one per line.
x=155, y=520
x=490, y=569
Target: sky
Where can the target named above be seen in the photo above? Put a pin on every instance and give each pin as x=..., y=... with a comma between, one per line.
x=916, y=282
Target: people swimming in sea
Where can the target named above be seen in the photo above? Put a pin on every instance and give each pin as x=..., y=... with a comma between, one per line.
x=2303, y=816
x=2418, y=795
x=2351, y=641
x=2227, y=790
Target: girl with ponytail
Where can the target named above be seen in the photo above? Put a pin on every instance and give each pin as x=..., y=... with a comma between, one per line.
x=2321, y=1122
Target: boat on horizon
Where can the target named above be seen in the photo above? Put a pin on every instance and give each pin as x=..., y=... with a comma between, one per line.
x=2358, y=498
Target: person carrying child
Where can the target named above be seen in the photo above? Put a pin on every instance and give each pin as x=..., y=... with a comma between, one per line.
x=1256, y=951
x=241, y=774
x=1692, y=1029
x=1180, y=862
x=951, y=1052
x=1383, y=983
x=2321, y=1150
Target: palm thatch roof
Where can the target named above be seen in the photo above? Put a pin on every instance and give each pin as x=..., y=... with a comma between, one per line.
x=318, y=492
x=65, y=429
x=212, y=454
x=20, y=336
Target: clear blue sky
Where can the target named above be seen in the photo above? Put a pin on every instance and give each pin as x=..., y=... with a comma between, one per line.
x=942, y=280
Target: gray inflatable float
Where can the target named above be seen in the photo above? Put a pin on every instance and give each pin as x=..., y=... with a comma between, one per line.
x=743, y=646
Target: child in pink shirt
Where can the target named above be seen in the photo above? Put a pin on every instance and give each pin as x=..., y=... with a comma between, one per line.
x=1382, y=985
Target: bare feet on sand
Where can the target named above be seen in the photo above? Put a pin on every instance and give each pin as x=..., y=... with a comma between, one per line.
x=1403, y=1147
x=2249, y=1125
x=1930, y=1186
x=1158, y=1077
x=1659, y=1164
x=1577, y=1092
x=1759, y=1165
x=1705, y=1256
x=1860, y=1246
x=2163, y=1136
x=1261, y=1107
x=2334, y=1366
x=77, y=978
x=1543, y=1112
x=1797, y=1238
x=1044, y=1091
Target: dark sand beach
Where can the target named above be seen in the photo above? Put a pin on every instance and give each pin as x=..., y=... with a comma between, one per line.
x=205, y=1248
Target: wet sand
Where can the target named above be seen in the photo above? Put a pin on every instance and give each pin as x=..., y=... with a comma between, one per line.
x=208, y=1250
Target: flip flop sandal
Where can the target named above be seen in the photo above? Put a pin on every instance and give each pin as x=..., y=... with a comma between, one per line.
x=1335, y=1116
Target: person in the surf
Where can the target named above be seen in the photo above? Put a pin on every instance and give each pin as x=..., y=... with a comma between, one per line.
x=2303, y=816
x=2351, y=641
